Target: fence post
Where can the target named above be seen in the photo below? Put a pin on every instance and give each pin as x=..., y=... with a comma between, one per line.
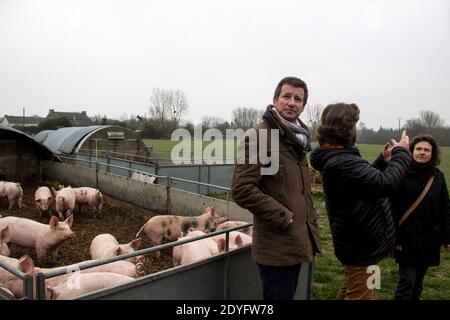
x=169, y=183
x=40, y=286
x=96, y=173
x=28, y=287
x=108, y=161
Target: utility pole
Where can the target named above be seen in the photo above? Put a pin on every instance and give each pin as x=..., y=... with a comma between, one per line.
x=399, y=128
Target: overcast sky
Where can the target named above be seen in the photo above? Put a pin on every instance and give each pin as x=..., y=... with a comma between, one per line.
x=392, y=58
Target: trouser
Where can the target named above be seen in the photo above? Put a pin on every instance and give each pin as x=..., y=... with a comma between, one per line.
x=410, y=282
x=279, y=283
x=354, y=286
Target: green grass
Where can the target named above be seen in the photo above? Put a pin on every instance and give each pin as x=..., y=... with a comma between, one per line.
x=328, y=271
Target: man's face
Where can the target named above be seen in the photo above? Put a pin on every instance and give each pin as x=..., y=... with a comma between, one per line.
x=290, y=102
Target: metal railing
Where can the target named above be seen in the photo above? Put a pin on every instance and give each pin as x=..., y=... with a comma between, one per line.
x=169, y=179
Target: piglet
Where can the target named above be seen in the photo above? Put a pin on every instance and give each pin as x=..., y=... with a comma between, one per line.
x=170, y=227
x=231, y=224
x=236, y=239
x=80, y=284
x=91, y=197
x=194, y=251
x=5, y=237
x=64, y=201
x=44, y=200
x=44, y=238
x=13, y=191
x=105, y=246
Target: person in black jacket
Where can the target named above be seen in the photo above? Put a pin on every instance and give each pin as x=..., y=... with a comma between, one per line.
x=356, y=196
x=427, y=228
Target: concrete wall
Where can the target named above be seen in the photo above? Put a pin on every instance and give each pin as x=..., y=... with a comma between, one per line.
x=149, y=196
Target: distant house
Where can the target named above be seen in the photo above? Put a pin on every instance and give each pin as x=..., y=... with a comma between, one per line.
x=77, y=119
x=11, y=121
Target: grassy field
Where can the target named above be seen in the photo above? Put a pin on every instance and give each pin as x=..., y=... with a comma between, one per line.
x=328, y=271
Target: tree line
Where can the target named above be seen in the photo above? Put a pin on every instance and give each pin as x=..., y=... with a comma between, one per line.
x=167, y=107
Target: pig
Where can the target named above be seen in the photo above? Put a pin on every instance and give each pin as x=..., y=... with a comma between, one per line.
x=44, y=238
x=236, y=239
x=105, y=246
x=13, y=191
x=125, y=268
x=231, y=224
x=44, y=200
x=194, y=251
x=7, y=291
x=169, y=227
x=5, y=237
x=64, y=201
x=10, y=281
x=90, y=196
x=81, y=284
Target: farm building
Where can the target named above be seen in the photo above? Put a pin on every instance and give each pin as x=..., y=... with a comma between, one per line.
x=21, y=155
x=89, y=140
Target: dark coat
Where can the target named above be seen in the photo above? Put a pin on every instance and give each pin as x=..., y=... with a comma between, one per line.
x=428, y=226
x=356, y=196
x=275, y=199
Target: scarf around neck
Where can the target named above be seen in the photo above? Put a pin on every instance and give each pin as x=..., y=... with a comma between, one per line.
x=301, y=133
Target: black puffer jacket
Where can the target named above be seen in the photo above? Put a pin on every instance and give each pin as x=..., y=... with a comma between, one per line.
x=428, y=226
x=356, y=200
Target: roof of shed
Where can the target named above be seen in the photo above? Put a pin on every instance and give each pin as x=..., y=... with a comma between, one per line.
x=65, y=140
x=8, y=132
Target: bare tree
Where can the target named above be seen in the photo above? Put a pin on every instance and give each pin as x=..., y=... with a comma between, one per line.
x=313, y=114
x=246, y=118
x=179, y=105
x=167, y=104
x=431, y=119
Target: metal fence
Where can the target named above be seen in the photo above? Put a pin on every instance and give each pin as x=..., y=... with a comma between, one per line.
x=208, y=174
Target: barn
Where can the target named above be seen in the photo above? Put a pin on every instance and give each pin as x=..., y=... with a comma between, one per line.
x=21, y=155
x=92, y=140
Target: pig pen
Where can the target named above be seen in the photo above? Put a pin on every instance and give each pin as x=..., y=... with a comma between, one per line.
x=230, y=275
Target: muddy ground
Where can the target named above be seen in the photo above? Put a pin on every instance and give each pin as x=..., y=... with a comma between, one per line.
x=118, y=218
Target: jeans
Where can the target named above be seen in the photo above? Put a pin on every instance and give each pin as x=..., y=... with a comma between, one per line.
x=279, y=283
x=410, y=282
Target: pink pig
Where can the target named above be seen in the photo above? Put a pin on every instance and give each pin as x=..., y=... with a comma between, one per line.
x=13, y=191
x=64, y=201
x=237, y=239
x=44, y=238
x=170, y=227
x=80, y=284
x=105, y=246
x=43, y=199
x=194, y=251
x=5, y=237
x=231, y=224
x=90, y=196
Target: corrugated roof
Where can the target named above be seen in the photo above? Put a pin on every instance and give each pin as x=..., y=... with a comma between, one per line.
x=65, y=140
x=45, y=151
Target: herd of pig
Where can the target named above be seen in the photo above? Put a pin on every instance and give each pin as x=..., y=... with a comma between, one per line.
x=46, y=238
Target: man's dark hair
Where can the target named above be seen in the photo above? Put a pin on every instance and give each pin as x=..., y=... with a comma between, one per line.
x=435, y=150
x=296, y=83
x=337, y=124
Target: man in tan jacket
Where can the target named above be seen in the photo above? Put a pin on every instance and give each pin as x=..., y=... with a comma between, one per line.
x=285, y=234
